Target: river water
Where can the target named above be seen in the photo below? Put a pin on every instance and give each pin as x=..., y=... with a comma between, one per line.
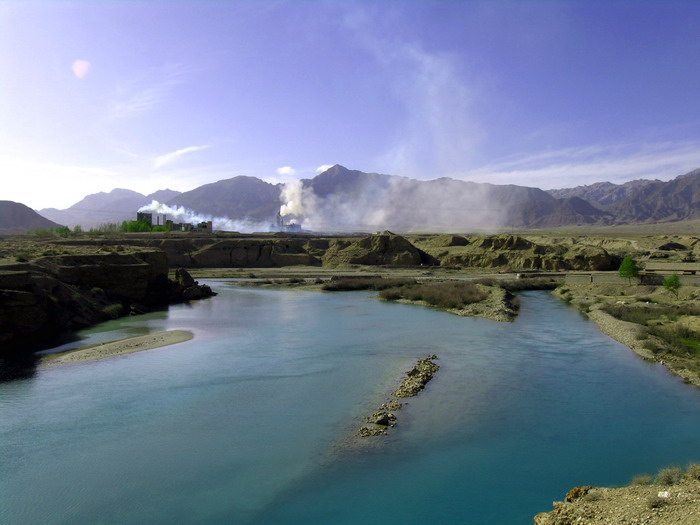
x=248, y=422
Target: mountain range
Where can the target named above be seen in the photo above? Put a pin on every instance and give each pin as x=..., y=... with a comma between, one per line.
x=100, y=208
x=340, y=199
x=18, y=218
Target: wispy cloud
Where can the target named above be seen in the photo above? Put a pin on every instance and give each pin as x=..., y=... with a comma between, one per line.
x=174, y=156
x=146, y=93
x=81, y=68
x=286, y=170
x=440, y=132
x=324, y=167
x=585, y=165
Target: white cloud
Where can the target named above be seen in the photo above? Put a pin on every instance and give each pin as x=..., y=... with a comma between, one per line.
x=146, y=93
x=324, y=167
x=286, y=170
x=81, y=68
x=169, y=158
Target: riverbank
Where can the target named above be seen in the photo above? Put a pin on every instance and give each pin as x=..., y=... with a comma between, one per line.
x=660, y=314
x=116, y=348
x=673, y=497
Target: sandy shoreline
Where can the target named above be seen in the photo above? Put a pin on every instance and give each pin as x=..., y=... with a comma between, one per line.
x=115, y=348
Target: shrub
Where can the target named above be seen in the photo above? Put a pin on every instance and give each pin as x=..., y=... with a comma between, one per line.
x=295, y=280
x=113, y=311
x=22, y=257
x=655, y=502
x=642, y=479
x=693, y=471
x=669, y=476
x=681, y=338
x=652, y=346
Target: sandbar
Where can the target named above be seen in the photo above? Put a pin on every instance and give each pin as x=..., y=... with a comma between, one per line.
x=115, y=348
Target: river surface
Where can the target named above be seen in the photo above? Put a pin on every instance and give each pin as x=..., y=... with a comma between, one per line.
x=247, y=422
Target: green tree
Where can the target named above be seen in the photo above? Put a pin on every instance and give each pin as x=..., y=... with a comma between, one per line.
x=628, y=269
x=672, y=283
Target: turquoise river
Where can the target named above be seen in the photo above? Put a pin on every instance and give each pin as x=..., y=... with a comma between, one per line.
x=248, y=423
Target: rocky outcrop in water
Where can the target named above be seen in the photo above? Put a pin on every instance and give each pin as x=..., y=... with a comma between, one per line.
x=416, y=379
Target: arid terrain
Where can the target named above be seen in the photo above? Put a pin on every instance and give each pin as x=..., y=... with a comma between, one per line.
x=52, y=285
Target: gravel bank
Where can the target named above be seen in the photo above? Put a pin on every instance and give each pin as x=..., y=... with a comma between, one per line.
x=115, y=348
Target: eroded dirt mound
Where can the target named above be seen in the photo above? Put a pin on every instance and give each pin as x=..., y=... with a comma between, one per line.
x=519, y=253
x=392, y=250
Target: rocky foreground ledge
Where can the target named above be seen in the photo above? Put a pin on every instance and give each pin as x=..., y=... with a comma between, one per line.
x=649, y=504
x=50, y=296
x=416, y=379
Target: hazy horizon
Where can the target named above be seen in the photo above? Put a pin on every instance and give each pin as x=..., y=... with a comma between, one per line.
x=155, y=95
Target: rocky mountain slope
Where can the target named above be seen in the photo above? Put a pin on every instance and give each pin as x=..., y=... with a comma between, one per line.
x=675, y=200
x=236, y=198
x=643, y=201
x=18, y=218
x=602, y=194
x=343, y=200
x=104, y=207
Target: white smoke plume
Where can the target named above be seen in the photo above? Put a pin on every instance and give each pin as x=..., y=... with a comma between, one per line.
x=185, y=215
x=292, y=198
x=395, y=203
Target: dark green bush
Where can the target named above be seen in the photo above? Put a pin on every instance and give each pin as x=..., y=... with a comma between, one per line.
x=113, y=311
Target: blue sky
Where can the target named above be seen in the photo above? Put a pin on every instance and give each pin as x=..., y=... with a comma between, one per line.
x=149, y=95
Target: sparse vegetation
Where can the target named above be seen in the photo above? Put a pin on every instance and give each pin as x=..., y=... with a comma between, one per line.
x=450, y=294
x=520, y=285
x=642, y=479
x=365, y=283
x=693, y=471
x=669, y=476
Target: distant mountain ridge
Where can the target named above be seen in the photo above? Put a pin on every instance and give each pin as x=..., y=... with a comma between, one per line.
x=104, y=207
x=602, y=194
x=340, y=199
x=18, y=218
